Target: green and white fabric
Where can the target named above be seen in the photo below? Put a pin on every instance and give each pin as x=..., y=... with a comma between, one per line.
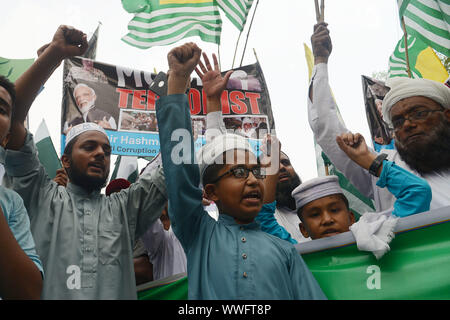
x=163, y=22
x=423, y=61
x=428, y=20
x=236, y=11
x=46, y=150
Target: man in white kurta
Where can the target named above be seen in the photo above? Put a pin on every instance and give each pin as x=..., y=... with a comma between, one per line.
x=325, y=124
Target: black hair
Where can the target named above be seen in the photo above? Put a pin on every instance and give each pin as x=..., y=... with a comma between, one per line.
x=211, y=173
x=11, y=89
x=340, y=195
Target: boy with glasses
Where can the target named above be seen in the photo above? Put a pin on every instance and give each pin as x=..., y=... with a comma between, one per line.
x=230, y=258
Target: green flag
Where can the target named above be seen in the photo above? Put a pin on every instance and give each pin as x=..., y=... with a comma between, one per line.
x=423, y=61
x=126, y=167
x=428, y=20
x=163, y=22
x=236, y=11
x=13, y=68
x=46, y=150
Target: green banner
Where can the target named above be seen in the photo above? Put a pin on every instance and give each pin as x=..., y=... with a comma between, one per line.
x=170, y=288
x=416, y=267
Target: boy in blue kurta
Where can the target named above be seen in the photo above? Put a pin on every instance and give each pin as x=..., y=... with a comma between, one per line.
x=230, y=258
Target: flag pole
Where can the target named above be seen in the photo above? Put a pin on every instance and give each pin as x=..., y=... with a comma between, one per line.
x=235, y=49
x=218, y=55
x=316, y=2
x=248, y=32
x=322, y=11
x=405, y=35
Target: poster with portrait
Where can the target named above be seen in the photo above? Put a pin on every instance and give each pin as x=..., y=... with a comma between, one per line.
x=121, y=101
x=374, y=93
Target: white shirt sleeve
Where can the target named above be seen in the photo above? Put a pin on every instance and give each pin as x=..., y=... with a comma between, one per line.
x=324, y=120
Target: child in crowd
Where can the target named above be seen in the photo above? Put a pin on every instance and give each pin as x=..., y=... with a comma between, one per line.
x=324, y=210
x=20, y=268
x=230, y=258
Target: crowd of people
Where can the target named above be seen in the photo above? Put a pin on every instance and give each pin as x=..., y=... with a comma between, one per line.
x=64, y=239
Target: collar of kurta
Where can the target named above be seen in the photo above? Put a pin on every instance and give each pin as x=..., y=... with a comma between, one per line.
x=73, y=188
x=229, y=220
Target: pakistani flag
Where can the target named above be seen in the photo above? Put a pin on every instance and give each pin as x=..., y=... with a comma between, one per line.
x=236, y=11
x=46, y=150
x=359, y=204
x=163, y=22
x=428, y=20
x=13, y=68
x=423, y=61
x=126, y=167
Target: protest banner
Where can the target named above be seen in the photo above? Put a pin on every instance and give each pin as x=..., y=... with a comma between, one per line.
x=414, y=268
x=122, y=101
x=374, y=92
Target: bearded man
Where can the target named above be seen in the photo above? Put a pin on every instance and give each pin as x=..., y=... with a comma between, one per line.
x=83, y=237
x=285, y=212
x=85, y=98
x=418, y=112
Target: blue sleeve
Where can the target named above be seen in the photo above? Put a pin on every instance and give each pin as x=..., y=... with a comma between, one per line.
x=182, y=174
x=270, y=225
x=19, y=223
x=412, y=192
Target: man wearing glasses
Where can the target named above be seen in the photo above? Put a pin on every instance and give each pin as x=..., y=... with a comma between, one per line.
x=416, y=110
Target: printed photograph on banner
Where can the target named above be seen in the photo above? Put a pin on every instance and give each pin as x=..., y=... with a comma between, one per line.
x=121, y=100
x=241, y=80
x=374, y=93
x=250, y=126
x=138, y=121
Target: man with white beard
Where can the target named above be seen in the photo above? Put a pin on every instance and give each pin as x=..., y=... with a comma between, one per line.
x=85, y=99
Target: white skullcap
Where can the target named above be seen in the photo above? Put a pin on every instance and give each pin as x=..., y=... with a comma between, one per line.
x=315, y=189
x=81, y=128
x=247, y=121
x=402, y=88
x=214, y=149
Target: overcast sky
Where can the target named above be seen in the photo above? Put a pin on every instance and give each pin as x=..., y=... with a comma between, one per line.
x=364, y=34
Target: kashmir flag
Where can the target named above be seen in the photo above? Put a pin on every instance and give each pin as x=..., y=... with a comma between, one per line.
x=236, y=11
x=428, y=20
x=163, y=22
x=423, y=61
x=126, y=167
x=359, y=204
x=46, y=150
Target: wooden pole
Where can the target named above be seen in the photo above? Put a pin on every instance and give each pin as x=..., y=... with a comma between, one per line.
x=322, y=11
x=248, y=32
x=235, y=49
x=218, y=56
x=405, y=35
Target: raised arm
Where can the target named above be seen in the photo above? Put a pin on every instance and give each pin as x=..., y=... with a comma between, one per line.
x=19, y=276
x=177, y=147
x=66, y=42
x=324, y=118
x=213, y=85
x=413, y=193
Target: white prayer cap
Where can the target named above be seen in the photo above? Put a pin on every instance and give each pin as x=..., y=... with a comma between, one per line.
x=81, y=128
x=214, y=149
x=247, y=121
x=402, y=88
x=315, y=189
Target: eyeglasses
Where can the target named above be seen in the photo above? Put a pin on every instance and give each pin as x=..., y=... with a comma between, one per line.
x=416, y=116
x=243, y=172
